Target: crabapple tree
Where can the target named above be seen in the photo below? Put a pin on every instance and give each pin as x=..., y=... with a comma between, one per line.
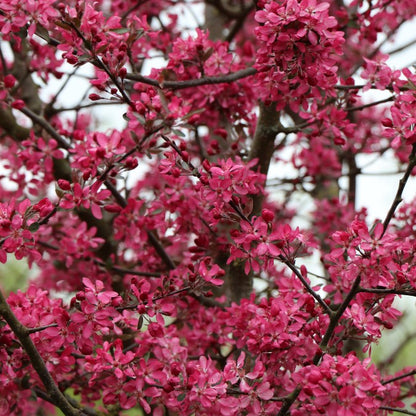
x=173, y=276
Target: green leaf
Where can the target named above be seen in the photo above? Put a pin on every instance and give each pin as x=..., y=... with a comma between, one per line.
x=34, y=227
x=181, y=397
x=179, y=133
x=120, y=30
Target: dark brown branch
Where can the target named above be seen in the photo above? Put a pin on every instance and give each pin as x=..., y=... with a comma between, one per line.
x=353, y=172
x=45, y=125
x=373, y=104
x=238, y=24
x=306, y=284
x=335, y=317
x=349, y=87
x=238, y=283
x=289, y=400
x=23, y=335
x=177, y=85
x=134, y=305
x=153, y=240
x=27, y=89
x=86, y=410
x=402, y=184
x=10, y=126
x=40, y=328
x=398, y=410
x=132, y=9
x=401, y=48
x=400, y=377
x=262, y=148
x=53, y=111
x=123, y=270
x=382, y=291
x=230, y=13
x=360, y=86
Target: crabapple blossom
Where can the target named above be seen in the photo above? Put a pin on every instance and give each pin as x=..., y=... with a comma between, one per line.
x=199, y=248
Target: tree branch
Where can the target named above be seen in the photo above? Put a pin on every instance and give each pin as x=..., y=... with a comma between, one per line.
x=262, y=147
x=178, y=85
x=306, y=285
x=46, y=126
x=374, y=103
x=153, y=240
x=23, y=335
x=398, y=410
x=335, y=317
x=400, y=377
x=403, y=181
x=382, y=291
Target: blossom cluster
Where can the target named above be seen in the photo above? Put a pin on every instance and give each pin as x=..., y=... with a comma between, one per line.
x=358, y=387
x=147, y=237
x=198, y=57
x=18, y=225
x=297, y=57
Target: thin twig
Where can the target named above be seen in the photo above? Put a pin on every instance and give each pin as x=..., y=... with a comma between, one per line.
x=307, y=286
x=136, y=304
x=83, y=106
x=242, y=393
x=335, y=317
x=86, y=410
x=398, y=198
x=45, y=125
x=362, y=107
x=153, y=240
x=382, y=291
x=122, y=270
x=400, y=377
x=40, y=328
x=23, y=335
x=398, y=410
x=177, y=85
x=401, y=48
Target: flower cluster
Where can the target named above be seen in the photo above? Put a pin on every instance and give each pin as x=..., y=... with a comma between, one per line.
x=18, y=225
x=88, y=197
x=399, y=128
x=229, y=181
x=260, y=243
x=186, y=286
x=197, y=57
x=342, y=385
x=15, y=15
x=299, y=43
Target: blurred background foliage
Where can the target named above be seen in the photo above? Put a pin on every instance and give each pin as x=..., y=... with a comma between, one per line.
x=15, y=274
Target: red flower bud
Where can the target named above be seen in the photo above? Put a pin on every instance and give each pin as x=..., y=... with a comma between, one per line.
x=386, y=122
x=9, y=81
x=18, y=104
x=94, y=97
x=267, y=215
x=339, y=141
